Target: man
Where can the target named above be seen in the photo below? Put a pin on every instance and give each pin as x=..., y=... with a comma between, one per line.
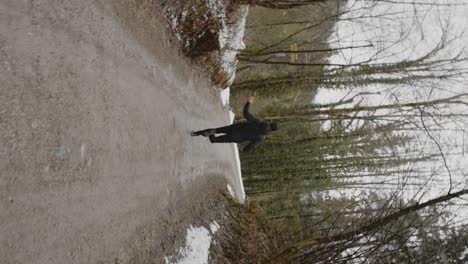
x=254, y=130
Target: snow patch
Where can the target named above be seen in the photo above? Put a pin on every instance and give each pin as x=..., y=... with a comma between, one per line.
x=239, y=172
x=230, y=190
x=196, y=249
x=230, y=33
x=214, y=227
x=229, y=30
x=238, y=166
x=174, y=21
x=231, y=42
x=225, y=96
x=231, y=117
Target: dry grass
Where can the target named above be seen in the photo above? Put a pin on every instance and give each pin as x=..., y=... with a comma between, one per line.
x=247, y=236
x=197, y=28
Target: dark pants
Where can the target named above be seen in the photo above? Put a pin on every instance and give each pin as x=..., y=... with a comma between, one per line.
x=227, y=130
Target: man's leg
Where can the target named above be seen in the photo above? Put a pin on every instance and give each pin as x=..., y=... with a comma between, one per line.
x=210, y=131
x=205, y=132
x=220, y=139
x=224, y=129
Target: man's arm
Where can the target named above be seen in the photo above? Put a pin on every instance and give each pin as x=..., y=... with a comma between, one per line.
x=252, y=144
x=247, y=113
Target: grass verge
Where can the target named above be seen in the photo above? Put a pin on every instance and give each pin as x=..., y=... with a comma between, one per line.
x=246, y=236
x=197, y=25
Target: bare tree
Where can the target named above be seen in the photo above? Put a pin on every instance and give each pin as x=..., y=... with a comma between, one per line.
x=355, y=235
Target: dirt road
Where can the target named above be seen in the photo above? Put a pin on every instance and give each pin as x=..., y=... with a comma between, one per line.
x=97, y=164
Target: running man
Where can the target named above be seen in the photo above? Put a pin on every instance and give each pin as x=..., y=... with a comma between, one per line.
x=254, y=130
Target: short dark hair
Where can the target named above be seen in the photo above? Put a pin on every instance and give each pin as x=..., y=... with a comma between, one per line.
x=274, y=126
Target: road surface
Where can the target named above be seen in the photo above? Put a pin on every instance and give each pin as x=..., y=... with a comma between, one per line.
x=97, y=165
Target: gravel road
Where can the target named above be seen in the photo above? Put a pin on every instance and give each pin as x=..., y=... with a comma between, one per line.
x=96, y=161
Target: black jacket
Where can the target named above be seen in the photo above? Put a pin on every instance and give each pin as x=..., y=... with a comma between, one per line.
x=254, y=130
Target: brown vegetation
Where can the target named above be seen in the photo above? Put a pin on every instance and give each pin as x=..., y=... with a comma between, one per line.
x=247, y=235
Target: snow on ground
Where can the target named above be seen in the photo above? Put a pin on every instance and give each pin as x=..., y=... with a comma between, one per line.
x=231, y=35
x=230, y=38
x=196, y=249
x=224, y=94
x=230, y=30
x=225, y=100
x=238, y=165
x=231, y=42
x=242, y=198
x=231, y=116
x=230, y=190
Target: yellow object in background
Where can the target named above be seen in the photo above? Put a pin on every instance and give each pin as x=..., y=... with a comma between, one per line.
x=294, y=57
